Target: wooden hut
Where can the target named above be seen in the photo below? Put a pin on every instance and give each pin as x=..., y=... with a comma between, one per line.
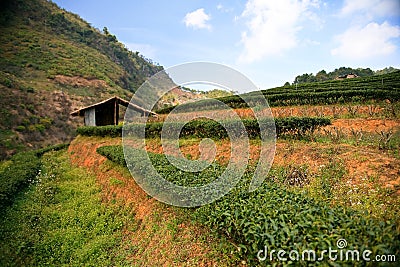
x=107, y=112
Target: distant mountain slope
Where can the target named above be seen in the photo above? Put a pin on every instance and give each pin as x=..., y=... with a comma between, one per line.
x=51, y=62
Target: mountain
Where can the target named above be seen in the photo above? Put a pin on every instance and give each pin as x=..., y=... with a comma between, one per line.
x=51, y=63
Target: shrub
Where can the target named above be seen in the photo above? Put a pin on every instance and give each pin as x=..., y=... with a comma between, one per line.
x=17, y=175
x=40, y=127
x=46, y=121
x=40, y=152
x=7, y=82
x=20, y=128
x=203, y=128
x=21, y=172
x=109, y=130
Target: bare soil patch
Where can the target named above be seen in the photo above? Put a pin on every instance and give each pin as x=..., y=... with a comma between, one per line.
x=362, y=163
x=366, y=125
x=77, y=81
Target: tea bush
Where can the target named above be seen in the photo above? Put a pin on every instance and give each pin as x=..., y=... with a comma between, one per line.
x=21, y=172
x=203, y=128
x=277, y=218
x=17, y=175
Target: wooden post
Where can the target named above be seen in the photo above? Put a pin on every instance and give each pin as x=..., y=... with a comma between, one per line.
x=117, y=112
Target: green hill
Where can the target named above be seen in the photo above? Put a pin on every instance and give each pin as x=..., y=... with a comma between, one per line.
x=323, y=76
x=51, y=63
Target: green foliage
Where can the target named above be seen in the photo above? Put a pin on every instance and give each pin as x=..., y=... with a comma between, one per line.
x=162, y=165
x=324, y=76
x=109, y=130
x=299, y=126
x=40, y=152
x=46, y=121
x=20, y=128
x=42, y=36
x=215, y=93
x=279, y=218
x=329, y=177
x=204, y=128
x=50, y=56
x=17, y=176
x=61, y=221
x=39, y=127
x=113, y=153
x=378, y=87
x=21, y=172
x=385, y=71
x=7, y=82
x=116, y=182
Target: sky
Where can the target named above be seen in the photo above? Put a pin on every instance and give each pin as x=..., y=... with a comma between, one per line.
x=269, y=41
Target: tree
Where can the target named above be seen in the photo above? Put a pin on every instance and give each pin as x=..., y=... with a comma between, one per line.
x=321, y=76
x=342, y=71
x=305, y=78
x=386, y=70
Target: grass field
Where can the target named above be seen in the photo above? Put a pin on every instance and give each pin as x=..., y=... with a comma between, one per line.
x=75, y=216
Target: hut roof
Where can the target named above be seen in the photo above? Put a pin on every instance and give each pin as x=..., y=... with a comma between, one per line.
x=120, y=101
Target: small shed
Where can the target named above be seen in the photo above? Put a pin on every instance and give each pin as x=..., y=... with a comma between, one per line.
x=107, y=112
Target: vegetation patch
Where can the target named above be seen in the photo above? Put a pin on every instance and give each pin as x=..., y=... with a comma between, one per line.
x=204, y=128
x=17, y=175
x=20, y=171
x=358, y=90
x=61, y=221
x=279, y=218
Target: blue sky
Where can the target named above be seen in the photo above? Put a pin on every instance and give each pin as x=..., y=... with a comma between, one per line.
x=269, y=41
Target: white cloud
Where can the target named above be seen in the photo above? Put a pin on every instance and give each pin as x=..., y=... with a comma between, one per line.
x=221, y=8
x=371, y=8
x=273, y=26
x=370, y=41
x=197, y=19
x=309, y=42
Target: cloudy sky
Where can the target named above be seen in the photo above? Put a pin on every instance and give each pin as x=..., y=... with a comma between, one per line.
x=269, y=41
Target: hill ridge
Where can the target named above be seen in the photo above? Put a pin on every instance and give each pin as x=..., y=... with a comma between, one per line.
x=52, y=63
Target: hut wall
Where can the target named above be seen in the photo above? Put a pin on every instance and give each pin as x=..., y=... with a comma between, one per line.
x=90, y=117
x=105, y=114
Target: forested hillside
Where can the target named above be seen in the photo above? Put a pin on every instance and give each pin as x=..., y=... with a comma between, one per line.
x=322, y=75
x=51, y=63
